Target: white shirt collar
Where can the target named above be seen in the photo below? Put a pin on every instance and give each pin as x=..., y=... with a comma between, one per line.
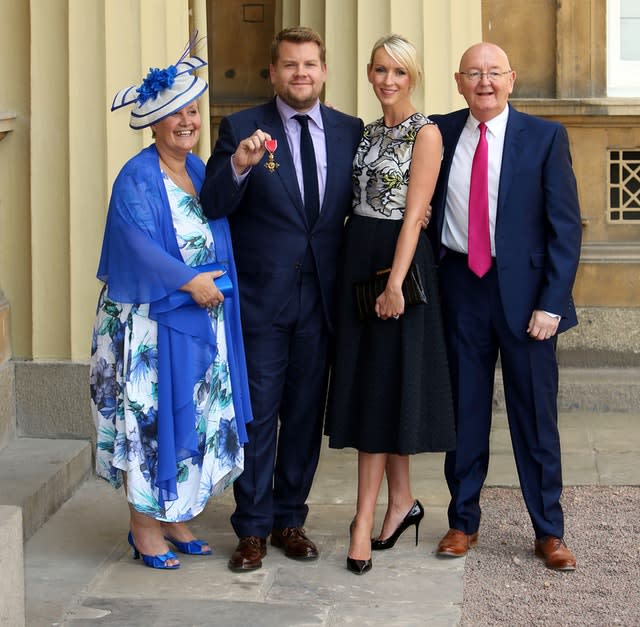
x=496, y=125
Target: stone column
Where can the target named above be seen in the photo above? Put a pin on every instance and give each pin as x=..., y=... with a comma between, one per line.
x=581, y=49
x=7, y=382
x=5, y=337
x=441, y=31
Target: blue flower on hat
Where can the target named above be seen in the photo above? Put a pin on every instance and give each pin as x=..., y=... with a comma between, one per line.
x=156, y=81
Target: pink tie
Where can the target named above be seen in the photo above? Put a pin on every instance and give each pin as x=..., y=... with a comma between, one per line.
x=479, y=244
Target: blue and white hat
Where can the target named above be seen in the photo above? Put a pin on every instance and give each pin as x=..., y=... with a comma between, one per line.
x=163, y=92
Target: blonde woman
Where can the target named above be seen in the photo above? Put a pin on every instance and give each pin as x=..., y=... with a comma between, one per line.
x=390, y=394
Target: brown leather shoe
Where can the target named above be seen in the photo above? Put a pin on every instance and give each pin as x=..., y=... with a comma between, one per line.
x=248, y=554
x=456, y=543
x=295, y=543
x=555, y=553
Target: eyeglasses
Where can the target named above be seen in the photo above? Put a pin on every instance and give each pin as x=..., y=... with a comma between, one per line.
x=474, y=76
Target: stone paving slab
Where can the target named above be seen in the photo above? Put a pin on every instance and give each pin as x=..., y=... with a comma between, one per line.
x=619, y=468
x=79, y=566
x=580, y=468
x=614, y=437
x=176, y=612
x=79, y=569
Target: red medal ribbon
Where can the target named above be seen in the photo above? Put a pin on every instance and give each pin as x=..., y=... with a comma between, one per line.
x=271, y=145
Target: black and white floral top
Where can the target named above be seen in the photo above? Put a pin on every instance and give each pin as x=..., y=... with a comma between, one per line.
x=381, y=167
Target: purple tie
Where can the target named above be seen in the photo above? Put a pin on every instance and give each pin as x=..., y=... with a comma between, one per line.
x=479, y=244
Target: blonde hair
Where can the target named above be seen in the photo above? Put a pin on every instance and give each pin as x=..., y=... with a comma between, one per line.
x=402, y=51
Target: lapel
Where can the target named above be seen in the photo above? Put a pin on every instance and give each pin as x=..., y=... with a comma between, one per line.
x=272, y=123
x=511, y=155
x=450, y=127
x=335, y=154
x=450, y=134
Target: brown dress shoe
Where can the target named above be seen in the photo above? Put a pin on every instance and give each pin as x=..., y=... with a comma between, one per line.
x=456, y=543
x=555, y=553
x=295, y=543
x=248, y=554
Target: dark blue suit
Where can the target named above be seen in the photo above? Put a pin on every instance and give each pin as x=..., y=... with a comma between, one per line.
x=287, y=275
x=537, y=242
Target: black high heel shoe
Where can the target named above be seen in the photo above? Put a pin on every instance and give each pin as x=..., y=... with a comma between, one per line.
x=415, y=515
x=358, y=567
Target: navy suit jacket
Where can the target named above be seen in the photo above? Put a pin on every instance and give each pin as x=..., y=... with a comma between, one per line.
x=266, y=213
x=538, y=227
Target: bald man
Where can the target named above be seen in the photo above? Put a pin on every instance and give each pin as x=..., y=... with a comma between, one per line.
x=506, y=227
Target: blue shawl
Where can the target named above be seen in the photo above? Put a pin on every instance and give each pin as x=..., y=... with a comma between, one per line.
x=141, y=263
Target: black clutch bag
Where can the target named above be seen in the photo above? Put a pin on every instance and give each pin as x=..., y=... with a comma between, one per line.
x=366, y=292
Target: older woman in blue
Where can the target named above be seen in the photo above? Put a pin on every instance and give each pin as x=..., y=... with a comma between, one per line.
x=168, y=380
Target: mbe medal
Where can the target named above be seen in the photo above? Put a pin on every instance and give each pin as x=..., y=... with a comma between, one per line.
x=271, y=145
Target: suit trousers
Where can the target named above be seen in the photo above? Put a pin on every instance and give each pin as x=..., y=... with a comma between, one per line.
x=476, y=332
x=288, y=371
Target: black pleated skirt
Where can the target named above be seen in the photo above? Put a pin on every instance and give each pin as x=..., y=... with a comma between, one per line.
x=390, y=389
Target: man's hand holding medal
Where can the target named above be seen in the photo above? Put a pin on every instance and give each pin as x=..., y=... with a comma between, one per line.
x=251, y=150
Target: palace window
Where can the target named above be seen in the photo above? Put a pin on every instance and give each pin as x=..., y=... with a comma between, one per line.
x=623, y=48
x=624, y=186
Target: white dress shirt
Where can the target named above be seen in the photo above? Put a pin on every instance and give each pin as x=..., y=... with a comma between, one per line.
x=456, y=215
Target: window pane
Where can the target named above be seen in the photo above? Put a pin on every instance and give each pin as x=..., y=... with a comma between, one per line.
x=630, y=39
x=629, y=8
x=630, y=30
x=623, y=48
x=613, y=173
x=614, y=197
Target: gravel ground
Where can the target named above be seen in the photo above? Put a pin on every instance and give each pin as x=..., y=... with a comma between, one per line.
x=505, y=584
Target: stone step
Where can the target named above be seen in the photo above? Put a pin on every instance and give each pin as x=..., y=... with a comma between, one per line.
x=39, y=475
x=12, y=599
x=590, y=390
x=7, y=403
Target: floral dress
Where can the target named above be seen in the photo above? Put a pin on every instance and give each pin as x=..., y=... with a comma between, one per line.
x=124, y=392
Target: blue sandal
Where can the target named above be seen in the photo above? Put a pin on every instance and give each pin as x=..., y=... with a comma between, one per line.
x=153, y=561
x=194, y=547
